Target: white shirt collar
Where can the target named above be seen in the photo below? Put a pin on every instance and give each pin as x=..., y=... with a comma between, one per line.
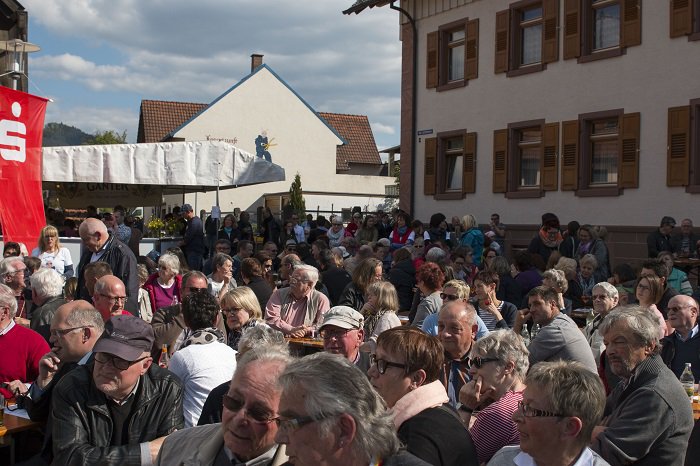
x=8, y=328
x=584, y=459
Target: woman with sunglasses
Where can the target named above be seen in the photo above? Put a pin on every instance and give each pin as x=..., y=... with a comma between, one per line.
x=498, y=364
x=242, y=311
x=405, y=371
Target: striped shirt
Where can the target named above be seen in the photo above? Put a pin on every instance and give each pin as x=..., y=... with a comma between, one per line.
x=488, y=318
x=494, y=427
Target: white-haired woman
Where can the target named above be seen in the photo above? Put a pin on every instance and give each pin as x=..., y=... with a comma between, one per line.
x=164, y=286
x=499, y=362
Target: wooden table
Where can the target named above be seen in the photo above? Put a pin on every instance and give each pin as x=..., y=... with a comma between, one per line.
x=690, y=266
x=304, y=346
x=14, y=425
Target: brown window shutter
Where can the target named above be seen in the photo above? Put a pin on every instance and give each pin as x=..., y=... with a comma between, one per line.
x=469, y=175
x=471, y=51
x=569, y=155
x=502, y=25
x=681, y=18
x=550, y=148
x=631, y=23
x=431, y=67
x=572, y=33
x=678, y=152
x=550, y=34
x=500, y=157
x=629, y=153
x=429, y=177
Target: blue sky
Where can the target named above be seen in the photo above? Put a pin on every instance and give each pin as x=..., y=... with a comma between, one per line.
x=100, y=58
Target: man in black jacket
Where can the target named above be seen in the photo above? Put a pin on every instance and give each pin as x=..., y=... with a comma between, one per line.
x=102, y=246
x=118, y=410
x=660, y=239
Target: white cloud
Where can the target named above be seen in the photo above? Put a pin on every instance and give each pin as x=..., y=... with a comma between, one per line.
x=90, y=119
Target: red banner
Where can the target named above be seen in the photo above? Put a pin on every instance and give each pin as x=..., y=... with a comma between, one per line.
x=21, y=203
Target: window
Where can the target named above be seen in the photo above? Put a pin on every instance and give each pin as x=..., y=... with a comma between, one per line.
x=596, y=29
x=600, y=153
x=683, y=154
x=527, y=36
x=525, y=159
x=450, y=165
x=685, y=19
x=452, y=55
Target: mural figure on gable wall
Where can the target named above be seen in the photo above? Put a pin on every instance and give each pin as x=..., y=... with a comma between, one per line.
x=262, y=146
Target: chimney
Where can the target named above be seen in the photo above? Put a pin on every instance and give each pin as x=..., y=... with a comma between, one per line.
x=255, y=60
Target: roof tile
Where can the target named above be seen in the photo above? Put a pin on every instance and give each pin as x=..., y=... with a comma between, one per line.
x=158, y=118
x=360, y=147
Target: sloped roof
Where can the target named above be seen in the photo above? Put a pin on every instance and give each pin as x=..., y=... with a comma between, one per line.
x=159, y=117
x=360, y=147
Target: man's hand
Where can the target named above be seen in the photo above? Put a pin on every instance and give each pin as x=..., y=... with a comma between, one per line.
x=473, y=395
x=22, y=321
x=17, y=387
x=48, y=365
x=521, y=318
x=155, y=445
x=298, y=332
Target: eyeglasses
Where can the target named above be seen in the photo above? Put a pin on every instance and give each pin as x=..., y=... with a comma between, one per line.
x=196, y=290
x=676, y=308
x=337, y=334
x=288, y=425
x=448, y=297
x=294, y=281
x=643, y=287
x=113, y=299
x=231, y=309
x=528, y=411
x=383, y=364
x=255, y=415
x=118, y=363
x=418, y=246
x=599, y=297
x=479, y=362
x=60, y=332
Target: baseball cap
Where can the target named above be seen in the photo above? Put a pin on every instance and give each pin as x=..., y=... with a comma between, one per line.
x=187, y=208
x=126, y=337
x=343, y=317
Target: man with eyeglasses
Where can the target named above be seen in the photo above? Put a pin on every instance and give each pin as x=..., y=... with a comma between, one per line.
x=110, y=297
x=74, y=330
x=453, y=290
x=20, y=348
x=605, y=299
x=250, y=419
x=118, y=410
x=343, y=333
x=12, y=271
x=561, y=405
x=683, y=345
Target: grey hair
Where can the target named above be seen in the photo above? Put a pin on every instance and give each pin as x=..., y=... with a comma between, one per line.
x=500, y=265
x=572, y=390
x=467, y=307
x=6, y=265
x=506, y=346
x=272, y=353
x=641, y=322
x=436, y=255
x=171, y=261
x=190, y=275
x=46, y=283
x=559, y=279
x=310, y=271
x=589, y=259
x=261, y=336
x=333, y=386
x=7, y=298
x=220, y=259
x=85, y=314
x=610, y=290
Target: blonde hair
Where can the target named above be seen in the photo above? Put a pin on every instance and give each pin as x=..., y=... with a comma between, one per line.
x=568, y=266
x=243, y=297
x=468, y=221
x=387, y=299
x=48, y=230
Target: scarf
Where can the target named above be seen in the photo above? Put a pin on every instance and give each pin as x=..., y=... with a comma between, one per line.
x=584, y=248
x=547, y=242
x=228, y=230
x=371, y=321
x=430, y=395
x=334, y=238
x=400, y=234
x=204, y=336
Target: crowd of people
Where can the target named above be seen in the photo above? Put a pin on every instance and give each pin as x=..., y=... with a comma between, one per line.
x=442, y=343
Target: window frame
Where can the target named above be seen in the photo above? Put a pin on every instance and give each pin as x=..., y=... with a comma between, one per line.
x=441, y=192
x=444, y=32
x=694, y=147
x=515, y=67
x=585, y=162
x=514, y=190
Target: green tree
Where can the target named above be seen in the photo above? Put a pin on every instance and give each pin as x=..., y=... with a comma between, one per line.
x=107, y=137
x=296, y=198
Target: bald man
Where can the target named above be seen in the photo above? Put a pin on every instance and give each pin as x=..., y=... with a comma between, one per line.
x=75, y=328
x=100, y=245
x=683, y=345
x=109, y=297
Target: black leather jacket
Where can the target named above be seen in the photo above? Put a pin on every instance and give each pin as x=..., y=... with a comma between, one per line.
x=82, y=423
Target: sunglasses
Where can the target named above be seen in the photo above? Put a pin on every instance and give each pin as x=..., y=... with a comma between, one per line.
x=254, y=415
x=448, y=297
x=478, y=361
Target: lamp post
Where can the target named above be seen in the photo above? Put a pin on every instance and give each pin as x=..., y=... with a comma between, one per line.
x=16, y=58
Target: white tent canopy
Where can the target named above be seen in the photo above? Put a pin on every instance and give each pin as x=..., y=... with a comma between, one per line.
x=176, y=167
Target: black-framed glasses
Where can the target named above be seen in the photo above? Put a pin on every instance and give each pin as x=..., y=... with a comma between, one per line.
x=114, y=299
x=61, y=332
x=528, y=411
x=117, y=362
x=382, y=364
x=337, y=334
x=256, y=416
x=448, y=297
x=231, y=309
x=478, y=361
x=196, y=290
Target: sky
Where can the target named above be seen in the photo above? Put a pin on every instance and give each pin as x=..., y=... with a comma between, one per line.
x=100, y=58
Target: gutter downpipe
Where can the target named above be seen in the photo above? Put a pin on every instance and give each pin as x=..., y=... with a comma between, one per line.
x=414, y=98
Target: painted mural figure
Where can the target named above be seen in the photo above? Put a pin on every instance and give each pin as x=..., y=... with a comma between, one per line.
x=262, y=145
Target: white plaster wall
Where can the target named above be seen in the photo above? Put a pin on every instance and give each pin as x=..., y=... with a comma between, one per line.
x=660, y=73
x=305, y=145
